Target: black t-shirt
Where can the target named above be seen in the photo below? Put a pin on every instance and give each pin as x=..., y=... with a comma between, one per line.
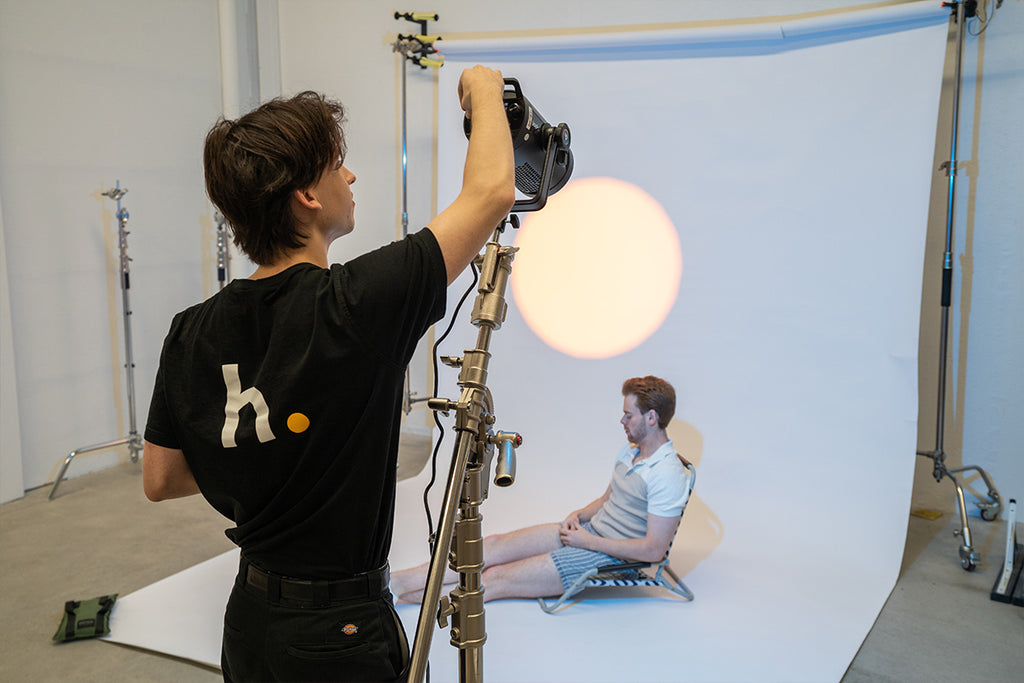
x=284, y=395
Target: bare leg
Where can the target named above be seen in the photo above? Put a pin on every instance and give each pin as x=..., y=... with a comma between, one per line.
x=520, y=544
x=532, y=577
x=408, y=585
x=499, y=549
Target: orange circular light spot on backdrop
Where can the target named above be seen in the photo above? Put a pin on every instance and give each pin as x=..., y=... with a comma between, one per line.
x=598, y=268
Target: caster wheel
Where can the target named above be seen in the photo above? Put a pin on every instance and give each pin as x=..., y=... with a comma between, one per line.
x=968, y=558
x=989, y=515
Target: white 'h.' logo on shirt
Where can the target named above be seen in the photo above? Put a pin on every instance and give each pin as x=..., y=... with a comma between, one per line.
x=238, y=399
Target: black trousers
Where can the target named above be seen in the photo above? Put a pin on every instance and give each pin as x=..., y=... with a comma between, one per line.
x=273, y=637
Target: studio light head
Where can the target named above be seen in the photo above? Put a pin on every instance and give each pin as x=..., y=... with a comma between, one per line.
x=542, y=156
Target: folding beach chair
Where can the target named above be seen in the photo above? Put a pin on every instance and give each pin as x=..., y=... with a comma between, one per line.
x=629, y=574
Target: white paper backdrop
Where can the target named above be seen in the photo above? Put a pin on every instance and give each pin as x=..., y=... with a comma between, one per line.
x=797, y=173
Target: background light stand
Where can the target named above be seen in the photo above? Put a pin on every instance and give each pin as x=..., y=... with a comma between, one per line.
x=418, y=49
x=458, y=541
x=969, y=557
x=133, y=440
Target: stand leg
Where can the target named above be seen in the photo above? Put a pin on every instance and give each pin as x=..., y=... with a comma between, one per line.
x=134, y=445
x=990, y=510
x=969, y=558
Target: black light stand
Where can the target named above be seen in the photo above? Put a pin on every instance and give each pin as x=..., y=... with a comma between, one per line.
x=223, y=254
x=133, y=440
x=458, y=542
x=969, y=557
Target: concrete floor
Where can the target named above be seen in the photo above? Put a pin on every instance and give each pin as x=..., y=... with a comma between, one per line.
x=939, y=624
x=100, y=535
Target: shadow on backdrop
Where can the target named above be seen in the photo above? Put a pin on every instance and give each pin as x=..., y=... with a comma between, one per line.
x=700, y=531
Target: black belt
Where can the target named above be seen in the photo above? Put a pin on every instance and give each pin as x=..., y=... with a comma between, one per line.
x=317, y=592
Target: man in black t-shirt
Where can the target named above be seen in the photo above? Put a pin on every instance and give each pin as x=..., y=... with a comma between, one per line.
x=279, y=398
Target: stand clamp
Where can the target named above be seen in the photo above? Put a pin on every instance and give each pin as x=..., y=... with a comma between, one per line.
x=419, y=48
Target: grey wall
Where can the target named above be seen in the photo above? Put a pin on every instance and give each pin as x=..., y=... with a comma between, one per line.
x=92, y=93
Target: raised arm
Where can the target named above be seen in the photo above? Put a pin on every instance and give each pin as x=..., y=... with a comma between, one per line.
x=585, y=514
x=488, y=179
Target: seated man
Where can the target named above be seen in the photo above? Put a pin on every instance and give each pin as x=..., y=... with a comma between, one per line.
x=635, y=520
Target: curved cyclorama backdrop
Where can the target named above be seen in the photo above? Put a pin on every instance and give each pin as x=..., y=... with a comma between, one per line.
x=794, y=161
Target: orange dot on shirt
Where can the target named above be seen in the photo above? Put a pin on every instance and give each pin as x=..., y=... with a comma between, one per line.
x=298, y=423
x=598, y=269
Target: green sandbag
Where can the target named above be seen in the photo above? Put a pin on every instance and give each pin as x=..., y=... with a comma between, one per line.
x=85, y=618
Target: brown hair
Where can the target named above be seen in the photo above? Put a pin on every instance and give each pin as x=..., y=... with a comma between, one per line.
x=652, y=393
x=254, y=164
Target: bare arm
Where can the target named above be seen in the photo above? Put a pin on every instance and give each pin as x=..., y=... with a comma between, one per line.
x=650, y=548
x=585, y=514
x=488, y=180
x=166, y=474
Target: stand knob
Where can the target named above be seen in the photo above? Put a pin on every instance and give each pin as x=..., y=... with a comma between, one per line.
x=444, y=610
x=440, y=405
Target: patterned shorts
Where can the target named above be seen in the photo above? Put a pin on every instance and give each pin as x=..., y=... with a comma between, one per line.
x=572, y=562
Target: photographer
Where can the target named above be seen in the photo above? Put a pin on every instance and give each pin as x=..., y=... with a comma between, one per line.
x=279, y=398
